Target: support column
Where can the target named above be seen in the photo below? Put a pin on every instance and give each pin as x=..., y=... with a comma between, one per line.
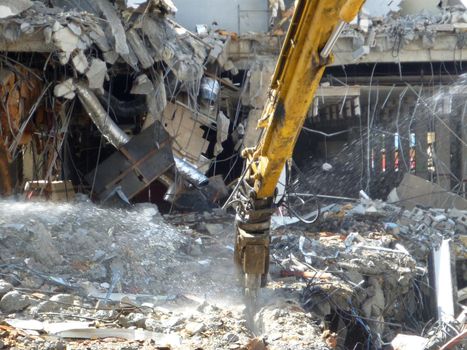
x=421, y=130
x=443, y=150
x=463, y=161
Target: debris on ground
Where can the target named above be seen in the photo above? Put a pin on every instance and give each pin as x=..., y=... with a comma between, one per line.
x=85, y=276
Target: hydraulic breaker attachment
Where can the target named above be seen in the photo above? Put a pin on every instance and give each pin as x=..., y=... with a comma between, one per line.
x=252, y=245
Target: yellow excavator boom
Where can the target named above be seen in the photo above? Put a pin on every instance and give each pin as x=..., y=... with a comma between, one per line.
x=314, y=29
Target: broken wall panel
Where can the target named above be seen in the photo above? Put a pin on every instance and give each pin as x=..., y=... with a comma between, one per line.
x=183, y=127
x=415, y=191
x=239, y=16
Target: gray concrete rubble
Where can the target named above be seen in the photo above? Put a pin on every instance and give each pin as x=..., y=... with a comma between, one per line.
x=365, y=262
x=11, y=8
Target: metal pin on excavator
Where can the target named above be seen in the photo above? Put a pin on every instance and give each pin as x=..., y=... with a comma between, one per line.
x=314, y=29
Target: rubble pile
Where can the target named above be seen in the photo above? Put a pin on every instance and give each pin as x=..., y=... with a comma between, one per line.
x=81, y=271
x=92, y=277
x=368, y=261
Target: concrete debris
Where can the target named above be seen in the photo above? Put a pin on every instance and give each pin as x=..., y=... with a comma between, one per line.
x=409, y=342
x=139, y=49
x=65, y=40
x=414, y=191
x=179, y=107
x=80, y=62
x=164, y=6
x=314, y=274
x=13, y=302
x=5, y=287
x=96, y=74
x=381, y=8
x=9, y=8
x=114, y=22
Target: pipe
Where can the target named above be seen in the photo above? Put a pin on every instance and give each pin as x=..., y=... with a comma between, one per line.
x=124, y=109
x=99, y=116
x=333, y=40
x=118, y=138
x=190, y=173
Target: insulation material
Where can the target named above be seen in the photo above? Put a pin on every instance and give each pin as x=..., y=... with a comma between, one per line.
x=187, y=134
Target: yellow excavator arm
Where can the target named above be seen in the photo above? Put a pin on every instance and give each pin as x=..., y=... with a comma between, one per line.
x=315, y=27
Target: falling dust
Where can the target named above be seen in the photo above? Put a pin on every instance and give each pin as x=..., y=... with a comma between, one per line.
x=97, y=252
x=409, y=112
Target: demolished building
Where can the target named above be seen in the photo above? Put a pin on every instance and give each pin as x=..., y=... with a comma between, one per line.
x=154, y=103
x=396, y=83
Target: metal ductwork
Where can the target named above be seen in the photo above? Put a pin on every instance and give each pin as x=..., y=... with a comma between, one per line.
x=118, y=138
x=99, y=116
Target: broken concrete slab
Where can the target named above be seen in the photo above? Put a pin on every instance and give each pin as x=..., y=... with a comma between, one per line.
x=10, y=8
x=13, y=302
x=409, y=342
x=156, y=98
x=414, y=190
x=165, y=6
x=139, y=49
x=96, y=74
x=80, y=62
x=116, y=26
x=65, y=40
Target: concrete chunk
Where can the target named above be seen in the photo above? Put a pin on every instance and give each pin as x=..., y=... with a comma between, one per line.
x=13, y=302
x=65, y=39
x=80, y=62
x=9, y=8
x=139, y=49
x=65, y=89
x=96, y=74
x=115, y=24
x=5, y=287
